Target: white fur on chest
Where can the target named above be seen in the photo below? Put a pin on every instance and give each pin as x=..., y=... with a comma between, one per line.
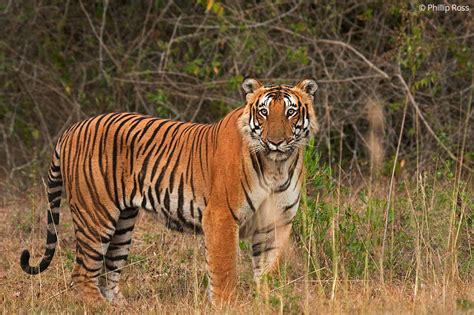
x=272, y=203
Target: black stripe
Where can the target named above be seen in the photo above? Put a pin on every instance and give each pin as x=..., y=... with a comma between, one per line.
x=173, y=224
x=143, y=172
x=298, y=178
x=54, y=195
x=191, y=207
x=162, y=148
x=48, y=253
x=293, y=204
x=54, y=184
x=128, y=213
x=166, y=200
x=165, y=167
x=181, y=200
x=180, y=208
x=117, y=258
x=272, y=227
x=283, y=187
x=133, y=126
x=112, y=268
x=144, y=200
x=91, y=270
x=96, y=257
x=247, y=197
x=236, y=219
x=118, y=245
x=143, y=131
x=200, y=214
x=264, y=250
x=53, y=217
x=173, y=170
x=123, y=231
x=125, y=201
x=154, y=203
x=55, y=168
x=134, y=189
x=82, y=245
x=256, y=167
x=54, y=178
x=156, y=160
x=55, y=204
x=261, y=167
x=165, y=213
x=153, y=135
x=254, y=246
x=51, y=238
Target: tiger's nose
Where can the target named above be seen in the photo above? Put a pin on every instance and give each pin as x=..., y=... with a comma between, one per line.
x=274, y=144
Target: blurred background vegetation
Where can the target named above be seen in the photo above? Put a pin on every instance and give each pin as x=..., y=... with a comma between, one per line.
x=389, y=183
x=63, y=61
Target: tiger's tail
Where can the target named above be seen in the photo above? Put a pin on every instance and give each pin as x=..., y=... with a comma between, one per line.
x=55, y=185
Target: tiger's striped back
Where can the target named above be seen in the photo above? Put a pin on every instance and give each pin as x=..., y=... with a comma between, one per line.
x=135, y=161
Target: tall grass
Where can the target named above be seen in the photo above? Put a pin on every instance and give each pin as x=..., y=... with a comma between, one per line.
x=333, y=263
x=429, y=238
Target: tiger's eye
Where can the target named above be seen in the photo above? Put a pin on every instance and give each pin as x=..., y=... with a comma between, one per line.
x=263, y=112
x=290, y=112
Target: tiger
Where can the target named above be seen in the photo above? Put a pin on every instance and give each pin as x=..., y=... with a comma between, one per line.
x=238, y=178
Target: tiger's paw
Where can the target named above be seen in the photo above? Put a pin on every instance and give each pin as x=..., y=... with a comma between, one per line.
x=92, y=299
x=114, y=296
x=120, y=300
x=87, y=293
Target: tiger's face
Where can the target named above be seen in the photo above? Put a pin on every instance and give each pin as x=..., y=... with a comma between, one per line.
x=278, y=119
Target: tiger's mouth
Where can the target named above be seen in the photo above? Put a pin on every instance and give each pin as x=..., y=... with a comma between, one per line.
x=282, y=147
x=279, y=153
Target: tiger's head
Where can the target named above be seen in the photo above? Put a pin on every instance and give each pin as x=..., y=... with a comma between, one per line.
x=278, y=119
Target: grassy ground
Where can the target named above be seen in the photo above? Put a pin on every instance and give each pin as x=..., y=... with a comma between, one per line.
x=350, y=252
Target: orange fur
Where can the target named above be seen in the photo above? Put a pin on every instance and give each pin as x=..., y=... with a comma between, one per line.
x=239, y=177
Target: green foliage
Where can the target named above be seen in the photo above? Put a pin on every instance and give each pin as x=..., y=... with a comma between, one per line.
x=298, y=56
x=71, y=61
x=139, y=260
x=244, y=245
x=161, y=101
x=69, y=259
x=151, y=238
x=338, y=236
x=23, y=220
x=216, y=7
x=415, y=49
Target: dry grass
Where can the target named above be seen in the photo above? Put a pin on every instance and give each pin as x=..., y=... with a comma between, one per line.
x=166, y=272
x=374, y=137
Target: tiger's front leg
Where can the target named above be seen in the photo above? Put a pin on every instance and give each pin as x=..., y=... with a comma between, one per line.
x=221, y=240
x=268, y=244
x=272, y=232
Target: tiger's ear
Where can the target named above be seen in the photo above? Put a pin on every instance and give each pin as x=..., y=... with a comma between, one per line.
x=308, y=86
x=250, y=85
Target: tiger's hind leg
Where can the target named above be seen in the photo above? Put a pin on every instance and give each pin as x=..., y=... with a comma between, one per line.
x=117, y=253
x=93, y=234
